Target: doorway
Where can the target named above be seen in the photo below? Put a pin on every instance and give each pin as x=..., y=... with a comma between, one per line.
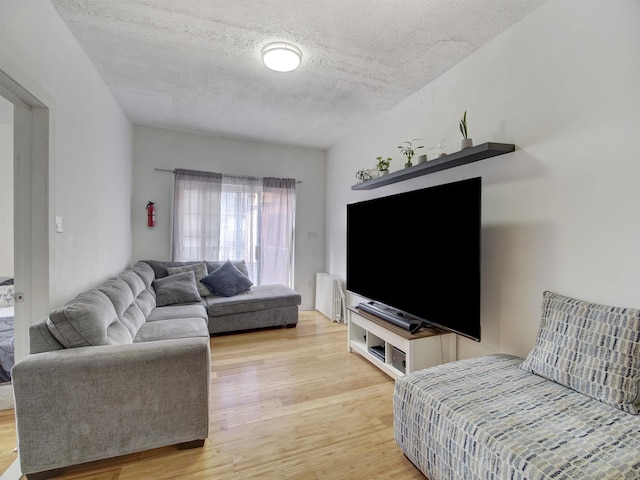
x=6, y=254
x=31, y=167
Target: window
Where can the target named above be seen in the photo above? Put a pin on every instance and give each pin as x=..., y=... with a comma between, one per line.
x=224, y=217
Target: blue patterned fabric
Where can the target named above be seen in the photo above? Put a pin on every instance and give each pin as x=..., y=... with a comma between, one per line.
x=487, y=419
x=593, y=349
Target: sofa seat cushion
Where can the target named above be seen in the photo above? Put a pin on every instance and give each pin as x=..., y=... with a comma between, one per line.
x=172, y=329
x=177, y=311
x=260, y=297
x=485, y=418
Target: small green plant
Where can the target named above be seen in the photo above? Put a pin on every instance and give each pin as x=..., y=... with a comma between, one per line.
x=364, y=174
x=408, y=150
x=383, y=165
x=463, y=125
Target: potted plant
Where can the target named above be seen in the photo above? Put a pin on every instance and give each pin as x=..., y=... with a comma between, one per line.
x=408, y=150
x=383, y=165
x=364, y=174
x=466, y=141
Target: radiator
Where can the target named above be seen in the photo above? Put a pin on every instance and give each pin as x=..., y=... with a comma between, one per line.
x=330, y=297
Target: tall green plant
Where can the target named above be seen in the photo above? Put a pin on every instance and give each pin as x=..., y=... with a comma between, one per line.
x=463, y=125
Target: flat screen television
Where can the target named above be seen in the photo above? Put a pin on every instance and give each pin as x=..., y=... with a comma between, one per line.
x=417, y=254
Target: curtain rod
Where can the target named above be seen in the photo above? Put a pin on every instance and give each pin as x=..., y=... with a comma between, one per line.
x=173, y=171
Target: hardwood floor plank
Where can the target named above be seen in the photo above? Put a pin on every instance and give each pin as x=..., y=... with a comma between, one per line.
x=285, y=404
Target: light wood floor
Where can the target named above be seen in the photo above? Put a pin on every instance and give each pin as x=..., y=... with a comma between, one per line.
x=285, y=404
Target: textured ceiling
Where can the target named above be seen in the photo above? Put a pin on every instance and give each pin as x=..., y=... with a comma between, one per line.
x=194, y=65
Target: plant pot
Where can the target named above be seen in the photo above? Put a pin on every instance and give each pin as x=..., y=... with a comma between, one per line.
x=466, y=143
x=383, y=172
x=408, y=164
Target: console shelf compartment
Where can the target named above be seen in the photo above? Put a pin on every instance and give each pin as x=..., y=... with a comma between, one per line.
x=428, y=347
x=468, y=155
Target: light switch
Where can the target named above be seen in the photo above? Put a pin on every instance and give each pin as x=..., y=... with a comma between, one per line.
x=59, y=228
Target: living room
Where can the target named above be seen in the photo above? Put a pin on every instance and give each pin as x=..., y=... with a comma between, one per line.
x=558, y=213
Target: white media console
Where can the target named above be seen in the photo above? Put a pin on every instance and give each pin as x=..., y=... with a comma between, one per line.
x=394, y=350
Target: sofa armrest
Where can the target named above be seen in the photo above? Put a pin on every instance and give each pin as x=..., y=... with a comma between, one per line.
x=83, y=404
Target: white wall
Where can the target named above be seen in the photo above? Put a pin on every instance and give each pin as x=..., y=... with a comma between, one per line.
x=167, y=149
x=6, y=196
x=560, y=213
x=90, y=147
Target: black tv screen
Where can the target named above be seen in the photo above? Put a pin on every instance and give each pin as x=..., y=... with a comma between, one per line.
x=418, y=253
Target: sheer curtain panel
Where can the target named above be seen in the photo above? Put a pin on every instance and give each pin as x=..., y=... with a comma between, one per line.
x=240, y=221
x=196, y=215
x=275, y=264
x=225, y=217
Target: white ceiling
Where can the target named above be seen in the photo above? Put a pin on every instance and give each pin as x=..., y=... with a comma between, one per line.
x=194, y=65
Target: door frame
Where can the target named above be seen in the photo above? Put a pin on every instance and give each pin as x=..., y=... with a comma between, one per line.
x=32, y=163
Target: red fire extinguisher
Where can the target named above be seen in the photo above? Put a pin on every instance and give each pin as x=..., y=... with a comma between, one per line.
x=151, y=215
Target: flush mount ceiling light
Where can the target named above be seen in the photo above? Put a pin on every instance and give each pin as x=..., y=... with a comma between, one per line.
x=281, y=56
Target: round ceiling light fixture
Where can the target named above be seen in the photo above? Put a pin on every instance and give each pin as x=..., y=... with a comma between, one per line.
x=281, y=56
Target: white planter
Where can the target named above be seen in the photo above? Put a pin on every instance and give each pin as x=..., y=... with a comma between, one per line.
x=466, y=143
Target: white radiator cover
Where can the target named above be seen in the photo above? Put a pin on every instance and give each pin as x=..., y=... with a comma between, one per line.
x=330, y=297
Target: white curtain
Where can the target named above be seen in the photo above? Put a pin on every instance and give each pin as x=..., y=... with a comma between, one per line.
x=224, y=217
x=196, y=215
x=240, y=221
x=275, y=264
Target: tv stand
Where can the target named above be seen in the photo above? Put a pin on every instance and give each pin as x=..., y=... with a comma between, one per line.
x=404, y=352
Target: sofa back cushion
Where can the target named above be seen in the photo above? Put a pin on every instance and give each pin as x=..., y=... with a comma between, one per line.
x=87, y=320
x=146, y=298
x=110, y=314
x=124, y=300
x=143, y=294
x=146, y=273
x=159, y=267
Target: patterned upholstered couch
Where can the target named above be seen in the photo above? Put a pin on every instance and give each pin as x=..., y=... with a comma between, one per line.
x=568, y=411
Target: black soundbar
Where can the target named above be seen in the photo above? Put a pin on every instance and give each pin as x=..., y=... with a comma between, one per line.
x=396, y=319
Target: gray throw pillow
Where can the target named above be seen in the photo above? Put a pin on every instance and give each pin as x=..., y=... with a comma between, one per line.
x=178, y=288
x=200, y=270
x=227, y=281
x=591, y=348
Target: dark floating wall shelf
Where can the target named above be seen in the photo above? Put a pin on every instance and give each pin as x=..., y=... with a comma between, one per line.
x=468, y=155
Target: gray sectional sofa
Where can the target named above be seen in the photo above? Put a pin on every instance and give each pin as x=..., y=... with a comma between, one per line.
x=125, y=367
x=261, y=306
